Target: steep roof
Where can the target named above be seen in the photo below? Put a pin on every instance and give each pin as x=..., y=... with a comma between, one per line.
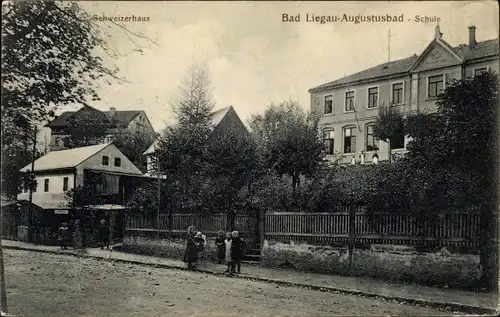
x=215, y=120
x=65, y=158
x=120, y=117
x=401, y=66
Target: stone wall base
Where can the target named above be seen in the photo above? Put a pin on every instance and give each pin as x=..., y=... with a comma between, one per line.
x=435, y=269
x=171, y=248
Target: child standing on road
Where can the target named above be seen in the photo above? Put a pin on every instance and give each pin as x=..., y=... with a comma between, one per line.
x=200, y=245
x=237, y=247
x=64, y=236
x=219, y=242
x=227, y=244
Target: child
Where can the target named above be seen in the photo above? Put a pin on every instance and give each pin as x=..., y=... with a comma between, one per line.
x=227, y=244
x=104, y=234
x=64, y=236
x=200, y=245
x=237, y=247
x=219, y=242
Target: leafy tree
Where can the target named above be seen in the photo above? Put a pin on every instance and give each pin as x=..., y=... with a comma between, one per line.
x=452, y=156
x=288, y=141
x=389, y=125
x=181, y=147
x=133, y=145
x=48, y=61
x=88, y=127
x=229, y=160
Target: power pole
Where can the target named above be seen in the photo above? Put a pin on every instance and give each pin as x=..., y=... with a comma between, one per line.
x=159, y=197
x=32, y=183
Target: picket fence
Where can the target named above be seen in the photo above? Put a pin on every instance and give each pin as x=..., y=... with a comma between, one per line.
x=457, y=228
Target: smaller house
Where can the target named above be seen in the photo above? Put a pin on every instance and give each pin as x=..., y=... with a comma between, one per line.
x=108, y=174
x=222, y=120
x=115, y=122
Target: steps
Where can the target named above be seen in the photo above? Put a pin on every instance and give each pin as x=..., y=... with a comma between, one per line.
x=252, y=256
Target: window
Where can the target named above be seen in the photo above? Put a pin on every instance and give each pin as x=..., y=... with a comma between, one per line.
x=118, y=162
x=436, y=85
x=397, y=93
x=373, y=97
x=328, y=104
x=349, y=101
x=479, y=71
x=105, y=160
x=398, y=140
x=328, y=139
x=371, y=141
x=349, y=140
x=65, y=184
x=46, y=185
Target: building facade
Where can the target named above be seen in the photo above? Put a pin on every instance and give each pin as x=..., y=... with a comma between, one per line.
x=350, y=105
x=60, y=171
x=222, y=121
x=116, y=122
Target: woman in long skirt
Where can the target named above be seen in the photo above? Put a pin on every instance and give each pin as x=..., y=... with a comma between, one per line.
x=191, y=253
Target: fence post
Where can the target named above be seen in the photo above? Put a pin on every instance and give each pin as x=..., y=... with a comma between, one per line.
x=352, y=228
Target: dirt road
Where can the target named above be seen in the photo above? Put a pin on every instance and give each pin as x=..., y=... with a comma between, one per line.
x=56, y=285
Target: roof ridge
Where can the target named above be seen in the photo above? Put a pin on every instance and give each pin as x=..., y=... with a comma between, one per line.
x=351, y=78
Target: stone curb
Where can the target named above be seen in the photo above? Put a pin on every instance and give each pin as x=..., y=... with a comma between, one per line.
x=456, y=307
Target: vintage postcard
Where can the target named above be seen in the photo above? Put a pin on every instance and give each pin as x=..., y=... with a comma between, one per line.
x=249, y=158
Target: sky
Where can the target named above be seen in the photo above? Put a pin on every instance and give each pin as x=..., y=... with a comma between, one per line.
x=254, y=58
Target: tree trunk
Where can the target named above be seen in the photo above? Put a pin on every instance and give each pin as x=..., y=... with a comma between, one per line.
x=390, y=150
x=3, y=293
x=488, y=247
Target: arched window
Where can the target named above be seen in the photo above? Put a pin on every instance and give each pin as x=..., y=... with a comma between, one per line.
x=372, y=143
x=349, y=140
x=329, y=141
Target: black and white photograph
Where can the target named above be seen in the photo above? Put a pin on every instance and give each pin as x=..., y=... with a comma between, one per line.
x=250, y=158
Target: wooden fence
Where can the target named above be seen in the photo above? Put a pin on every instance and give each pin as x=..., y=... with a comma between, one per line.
x=207, y=224
x=459, y=228
x=343, y=225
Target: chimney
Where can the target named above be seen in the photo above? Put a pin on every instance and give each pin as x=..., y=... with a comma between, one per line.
x=472, y=37
x=112, y=111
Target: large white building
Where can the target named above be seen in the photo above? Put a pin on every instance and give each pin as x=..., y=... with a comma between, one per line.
x=350, y=105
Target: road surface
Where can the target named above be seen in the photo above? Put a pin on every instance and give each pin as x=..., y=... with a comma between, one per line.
x=40, y=284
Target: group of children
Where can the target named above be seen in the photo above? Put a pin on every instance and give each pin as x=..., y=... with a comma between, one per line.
x=64, y=235
x=231, y=250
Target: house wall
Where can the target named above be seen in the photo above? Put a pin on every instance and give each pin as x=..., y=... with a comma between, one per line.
x=363, y=116
x=141, y=124
x=95, y=162
x=55, y=194
x=491, y=63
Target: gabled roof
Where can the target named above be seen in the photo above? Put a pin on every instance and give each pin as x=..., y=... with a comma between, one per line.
x=386, y=69
x=216, y=119
x=433, y=43
x=121, y=118
x=65, y=158
x=402, y=66
x=218, y=115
